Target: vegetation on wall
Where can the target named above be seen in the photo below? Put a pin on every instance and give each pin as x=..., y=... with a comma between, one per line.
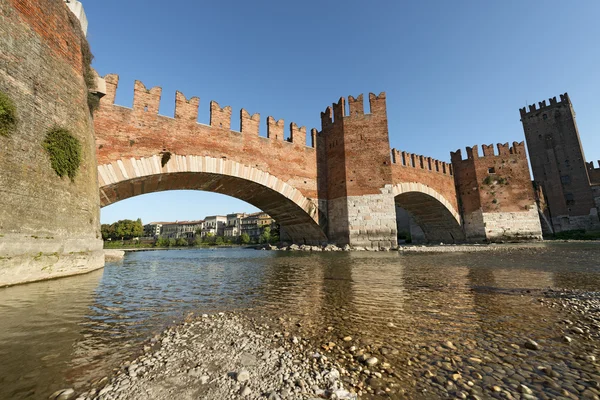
x=64, y=150
x=88, y=75
x=8, y=115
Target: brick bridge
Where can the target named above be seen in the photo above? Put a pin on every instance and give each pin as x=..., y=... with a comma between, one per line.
x=342, y=187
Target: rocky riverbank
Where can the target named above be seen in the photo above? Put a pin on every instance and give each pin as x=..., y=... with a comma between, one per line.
x=229, y=356
x=441, y=248
x=224, y=356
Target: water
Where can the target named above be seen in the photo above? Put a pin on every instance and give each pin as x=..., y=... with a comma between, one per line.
x=68, y=332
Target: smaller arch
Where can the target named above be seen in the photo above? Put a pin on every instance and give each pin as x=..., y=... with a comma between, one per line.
x=436, y=216
x=130, y=177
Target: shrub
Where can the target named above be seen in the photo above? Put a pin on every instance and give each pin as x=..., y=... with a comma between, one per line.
x=65, y=152
x=8, y=115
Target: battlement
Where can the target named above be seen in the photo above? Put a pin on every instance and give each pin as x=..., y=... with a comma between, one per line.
x=405, y=159
x=488, y=151
x=337, y=111
x=564, y=99
x=590, y=166
x=148, y=101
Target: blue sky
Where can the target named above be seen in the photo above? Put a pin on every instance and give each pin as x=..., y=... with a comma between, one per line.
x=455, y=72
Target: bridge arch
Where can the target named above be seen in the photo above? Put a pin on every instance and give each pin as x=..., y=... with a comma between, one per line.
x=436, y=216
x=129, y=177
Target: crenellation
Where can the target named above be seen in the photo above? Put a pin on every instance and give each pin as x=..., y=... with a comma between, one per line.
x=112, y=82
x=564, y=99
x=186, y=109
x=326, y=119
x=275, y=129
x=297, y=134
x=146, y=100
x=313, y=137
x=503, y=149
x=488, y=150
x=518, y=148
x=473, y=153
x=356, y=106
x=377, y=104
x=339, y=110
x=249, y=124
x=220, y=117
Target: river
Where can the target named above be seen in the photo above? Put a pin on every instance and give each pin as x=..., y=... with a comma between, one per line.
x=71, y=331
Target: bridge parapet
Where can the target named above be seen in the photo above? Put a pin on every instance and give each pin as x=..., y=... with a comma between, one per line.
x=147, y=100
x=405, y=159
x=141, y=132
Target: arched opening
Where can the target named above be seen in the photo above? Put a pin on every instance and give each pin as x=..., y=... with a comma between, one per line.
x=297, y=215
x=427, y=216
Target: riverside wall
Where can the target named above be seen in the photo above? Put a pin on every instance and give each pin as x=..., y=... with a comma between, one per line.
x=49, y=226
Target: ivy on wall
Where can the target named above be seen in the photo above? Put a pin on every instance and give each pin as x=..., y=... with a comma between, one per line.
x=8, y=115
x=88, y=75
x=64, y=150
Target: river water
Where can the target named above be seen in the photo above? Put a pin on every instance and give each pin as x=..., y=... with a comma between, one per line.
x=71, y=331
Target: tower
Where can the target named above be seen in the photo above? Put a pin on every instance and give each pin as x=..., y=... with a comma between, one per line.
x=558, y=164
x=355, y=173
x=495, y=194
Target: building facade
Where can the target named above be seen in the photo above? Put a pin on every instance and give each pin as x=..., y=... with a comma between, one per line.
x=253, y=224
x=233, y=226
x=181, y=229
x=567, y=182
x=153, y=229
x=214, y=225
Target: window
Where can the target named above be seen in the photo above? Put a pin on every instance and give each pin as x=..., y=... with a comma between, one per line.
x=491, y=170
x=565, y=179
x=545, y=116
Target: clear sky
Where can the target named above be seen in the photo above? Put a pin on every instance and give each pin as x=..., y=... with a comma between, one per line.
x=455, y=72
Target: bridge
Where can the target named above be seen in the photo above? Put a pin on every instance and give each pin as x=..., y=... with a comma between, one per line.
x=342, y=186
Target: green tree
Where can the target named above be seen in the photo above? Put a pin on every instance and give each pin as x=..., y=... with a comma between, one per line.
x=219, y=241
x=172, y=242
x=182, y=242
x=209, y=238
x=123, y=229
x=162, y=242
x=244, y=238
x=198, y=241
x=265, y=236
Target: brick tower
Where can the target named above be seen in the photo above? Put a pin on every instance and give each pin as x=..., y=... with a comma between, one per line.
x=356, y=175
x=495, y=194
x=558, y=164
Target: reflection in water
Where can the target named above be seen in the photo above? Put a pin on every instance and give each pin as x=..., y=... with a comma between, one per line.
x=70, y=331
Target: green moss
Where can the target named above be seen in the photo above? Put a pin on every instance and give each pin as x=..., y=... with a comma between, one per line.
x=65, y=152
x=88, y=75
x=8, y=115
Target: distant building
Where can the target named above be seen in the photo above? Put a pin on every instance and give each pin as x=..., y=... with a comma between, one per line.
x=181, y=229
x=233, y=225
x=153, y=229
x=254, y=224
x=215, y=225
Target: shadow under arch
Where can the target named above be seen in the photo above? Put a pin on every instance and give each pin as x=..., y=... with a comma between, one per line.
x=436, y=216
x=298, y=215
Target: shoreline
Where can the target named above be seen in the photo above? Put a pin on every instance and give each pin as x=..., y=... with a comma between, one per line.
x=232, y=355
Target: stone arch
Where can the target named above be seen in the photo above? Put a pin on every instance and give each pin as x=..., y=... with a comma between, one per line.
x=298, y=215
x=436, y=216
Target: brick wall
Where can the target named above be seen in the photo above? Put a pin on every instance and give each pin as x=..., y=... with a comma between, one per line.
x=496, y=184
x=557, y=159
x=49, y=226
x=137, y=132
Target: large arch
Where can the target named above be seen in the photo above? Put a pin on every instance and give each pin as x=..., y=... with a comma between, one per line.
x=436, y=216
x=298, y=215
